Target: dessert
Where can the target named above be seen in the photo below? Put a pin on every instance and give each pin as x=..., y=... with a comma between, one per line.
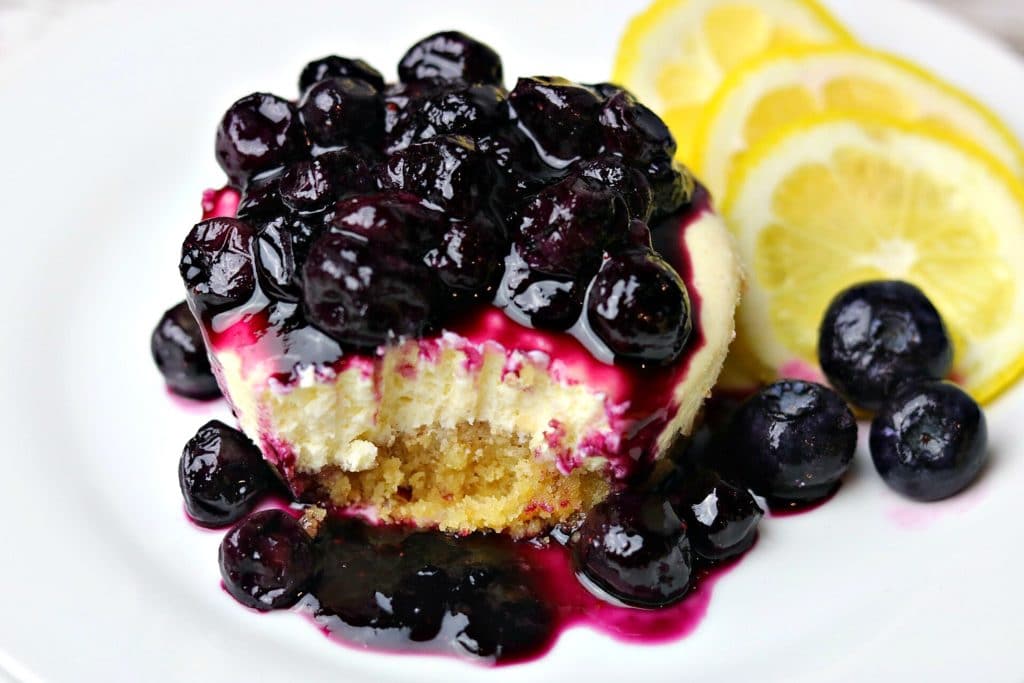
x=452, y=305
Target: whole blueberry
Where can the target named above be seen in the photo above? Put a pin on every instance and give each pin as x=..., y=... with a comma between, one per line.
x=334, y=66
x=391, y=219
x=564, y=229
x=634, y=548
x=180, y=355
x=549, y=302
x=261, y=198
x=451, y=55
x=470, y=258
x=505, y=619
x=792, y=442
x=258, y=132
x=877, y=335
x=929, y=441
x=267, y=560
x=218, y=264
x=472, y=110
x=633, y=131
x=626, y=181
x=306, y=186
x=282, y=246
x=420, y=602
x=674, y=189
x=364, y=294
x=339, y=111
x=560, y=116
x=640, y=307
x=447, y=172
x=222, y=475
x=721, y=518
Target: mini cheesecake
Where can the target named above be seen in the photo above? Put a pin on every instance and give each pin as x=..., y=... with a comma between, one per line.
x=484, y=328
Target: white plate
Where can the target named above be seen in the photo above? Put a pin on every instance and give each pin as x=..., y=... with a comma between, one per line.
x=107, y=128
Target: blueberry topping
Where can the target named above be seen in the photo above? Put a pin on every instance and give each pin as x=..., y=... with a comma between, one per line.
x=364, y=295
x=721, y=519
x=393, y=219
x=339, y=67
x=217, y=263
x=469, y=260
x=450, y=55
x=633, y=131
x=792, y=442
x=339, y=111
x=877, y=335
x=261, y=198
x=929, y=441
x=179, y=354
x=419, y=601
x=222, y=475
x=467, y=110
x=624, y=180
x=673, y=187
x=306, y=186
x=282, y=246
x=639, y=306
x=267, y=560
x=634, y=548
x=259, y=132
x=560, y=116
x=446, y=172
x=548, y=302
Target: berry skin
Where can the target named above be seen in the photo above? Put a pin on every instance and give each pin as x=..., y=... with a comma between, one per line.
x=792, y=442
x=267, y=561
x=673, y=186
x=876, y=335
x=624, y=180
x=470, y=259
x=561, y=116
x=364, y=294
x=450, y=55
x=259, y=132
x=339, y=67
x=466, y=110
x=282, y=247
x=306, y=186
x=447, y=172
x=633, y=131
x=639, y=306
x=217, y=263
x=395, y=220
x=339, y=111
x=634, y=548
x=721, y=519
x=549, y=303
x=261, y=199
x=929, y=441
x=222, y=475
x=179, y=354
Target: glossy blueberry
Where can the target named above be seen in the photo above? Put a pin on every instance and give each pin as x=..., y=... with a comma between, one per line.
x=877, y=335
x=447, y=172
x=259, y=132
x=549, y=303
x=673, y=186
x=261, y=198
x=222, y=475
x=338, y=111
x=634, y=548
x=624, y=180
x=180, y=355
x=364, y=294
x=450, y=55
x=929, y=441
x=721, y=519
x=282, y=246
x=466, y=110
x=420, y=602
x=267, y=560
x=470, y=258
x=506, y=621
x=217, y=263
x=639, y=306
x=560, y=116
x=392, y=219
x=792, y=442
x=305, y=186
x=339, y=67
x=633, y=131
x=564, y=229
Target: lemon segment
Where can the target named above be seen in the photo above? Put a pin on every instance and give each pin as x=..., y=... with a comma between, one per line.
x=779, y=87
x=675, y=54
x=841, y=199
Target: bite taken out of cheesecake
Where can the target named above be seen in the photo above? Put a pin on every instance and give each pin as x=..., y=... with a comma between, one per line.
x=447, y=304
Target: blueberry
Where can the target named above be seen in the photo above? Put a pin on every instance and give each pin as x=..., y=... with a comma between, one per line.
x=470, y=258
x=364, y=294
x=447, y=172
x=393, y=219
x=564, y=229
x=467, y=110
x=673, y=187
x=876, y=335
x=261, y=198
x=636, y=549
x=549, y=303
x=222, y=475
x=792, y=442
x=560, y=116
x=267, y=560
x=339, y=67
x=639, y=306
x=624, y=180
x=339, y=111
x=180, y=355
x=348, y=171
x=420, y=602
x=282, y=246
x=305, y=186
x=929, y=441
x=607, y=90
x=451, y=55
x=633, y=131
x=506, y=620
x=721, y=519
x=259, y=132
x=217, y=263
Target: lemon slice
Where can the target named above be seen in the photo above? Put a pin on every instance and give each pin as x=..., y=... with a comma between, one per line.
x=779, y=87
x=842, y=199
x=676, y=52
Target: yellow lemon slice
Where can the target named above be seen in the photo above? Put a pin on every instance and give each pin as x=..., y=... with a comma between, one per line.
x=674, y=55
x=779, y=87
x=846, y=198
